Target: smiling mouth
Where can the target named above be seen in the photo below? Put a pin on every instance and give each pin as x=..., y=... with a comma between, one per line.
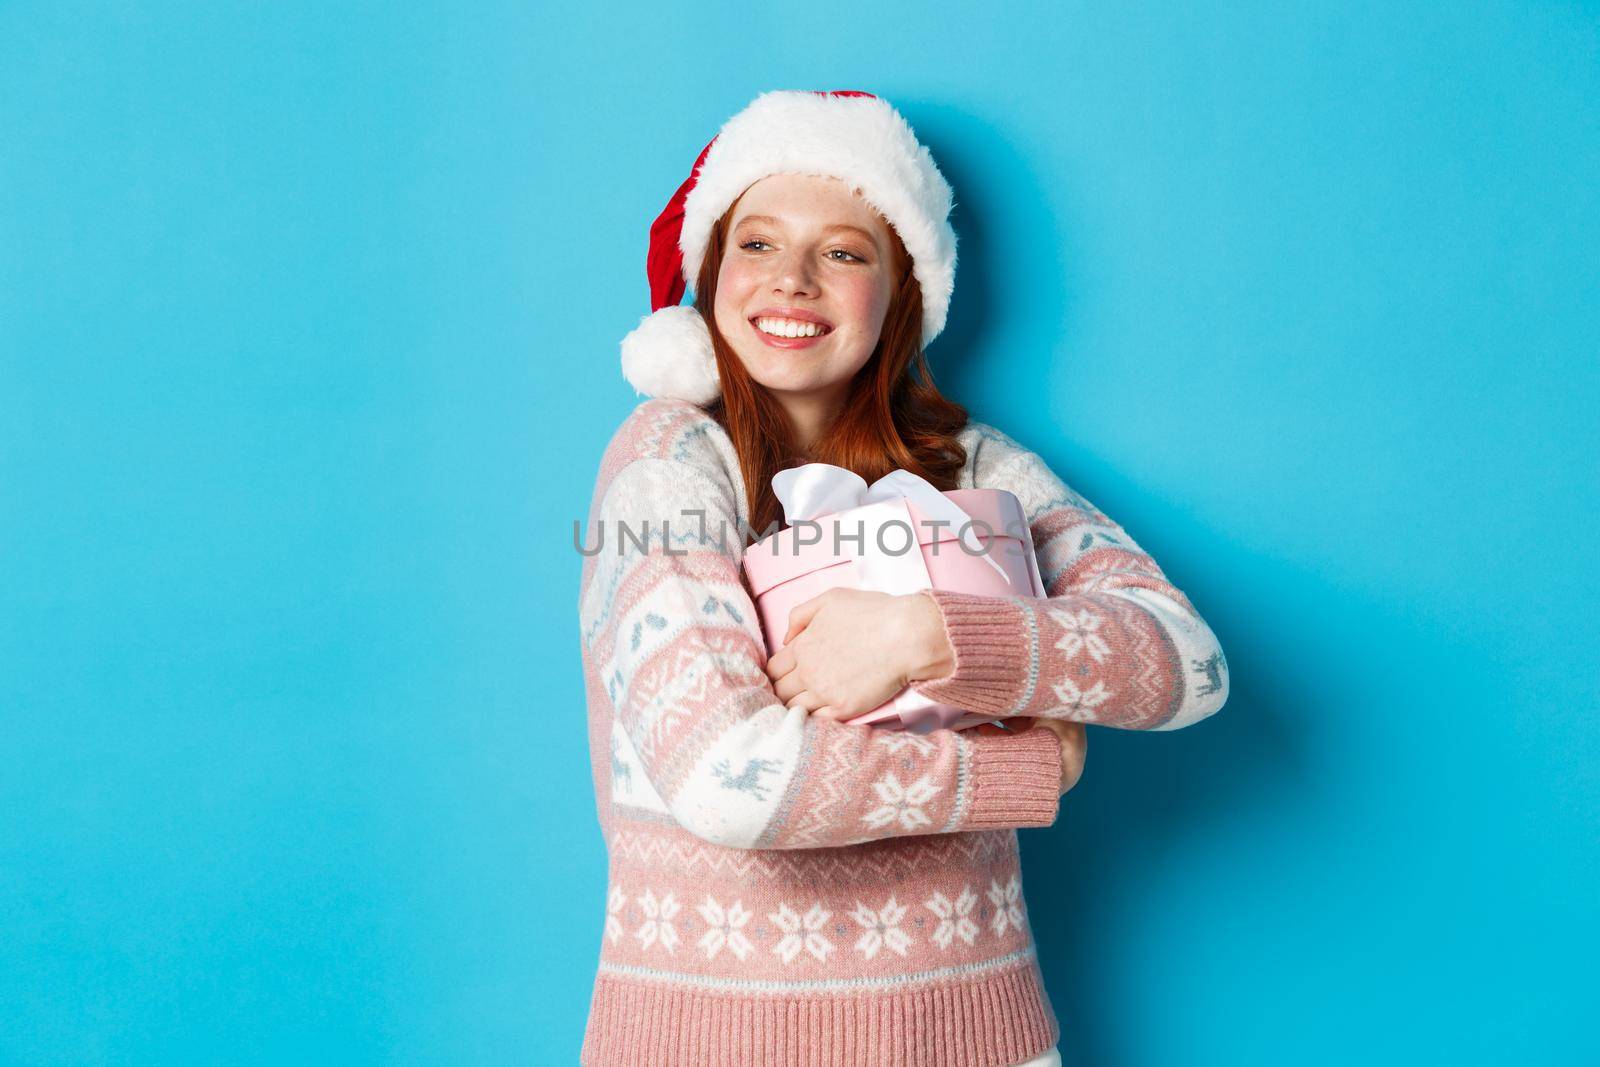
x=789, y=329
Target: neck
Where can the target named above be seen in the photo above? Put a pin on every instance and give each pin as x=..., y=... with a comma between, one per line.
x=811, y=413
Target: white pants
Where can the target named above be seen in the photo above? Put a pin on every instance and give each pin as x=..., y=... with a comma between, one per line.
x=1051, y=1058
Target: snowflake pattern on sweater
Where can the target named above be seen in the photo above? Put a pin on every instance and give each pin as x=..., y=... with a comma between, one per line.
x=802, y=925
x=757, y=852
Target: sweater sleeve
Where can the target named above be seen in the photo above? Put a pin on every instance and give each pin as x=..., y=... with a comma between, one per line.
x=674, y=640
x=1112, y=643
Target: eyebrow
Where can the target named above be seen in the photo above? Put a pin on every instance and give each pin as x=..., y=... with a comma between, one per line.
x=770, y=221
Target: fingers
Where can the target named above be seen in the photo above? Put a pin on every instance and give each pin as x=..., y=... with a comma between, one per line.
x=788, y=686
x=818, y=707
x=1074, y=752
x=801, y=614
x=805, y=698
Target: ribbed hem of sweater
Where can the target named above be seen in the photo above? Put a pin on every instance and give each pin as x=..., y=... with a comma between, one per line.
x=993, y=650
x=1016, y=779
x=998, y=1019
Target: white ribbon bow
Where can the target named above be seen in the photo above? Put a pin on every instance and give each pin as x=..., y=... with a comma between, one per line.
x=816, y=489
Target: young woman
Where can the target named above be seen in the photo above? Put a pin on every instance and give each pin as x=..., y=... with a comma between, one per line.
x=787, y=887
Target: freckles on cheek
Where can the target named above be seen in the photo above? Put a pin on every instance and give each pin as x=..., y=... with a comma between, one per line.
x=864, y=302
x=732, y=294
x=735, y=275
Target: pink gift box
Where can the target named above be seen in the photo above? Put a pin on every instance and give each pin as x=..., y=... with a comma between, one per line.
x=870, y=547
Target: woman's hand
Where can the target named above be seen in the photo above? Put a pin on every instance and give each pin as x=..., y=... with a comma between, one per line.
x=849, y=650
x=1074, y=743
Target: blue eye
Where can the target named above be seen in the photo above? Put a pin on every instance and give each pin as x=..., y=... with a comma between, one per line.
x=850, y=255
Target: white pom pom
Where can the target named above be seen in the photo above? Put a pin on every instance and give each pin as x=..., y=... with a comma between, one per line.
x=669, y=355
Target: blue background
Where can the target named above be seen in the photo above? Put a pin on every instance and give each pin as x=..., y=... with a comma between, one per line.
x=308, y=353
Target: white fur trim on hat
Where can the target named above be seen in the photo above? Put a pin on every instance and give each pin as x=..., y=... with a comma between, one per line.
x=862, y=140
x=669, y=355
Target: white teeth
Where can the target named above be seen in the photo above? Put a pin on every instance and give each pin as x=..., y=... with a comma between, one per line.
x=788, y=328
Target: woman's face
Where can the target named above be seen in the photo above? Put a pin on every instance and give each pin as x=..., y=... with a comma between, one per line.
x=804, y=249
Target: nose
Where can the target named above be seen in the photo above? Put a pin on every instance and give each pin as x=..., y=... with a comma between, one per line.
x=794, y=273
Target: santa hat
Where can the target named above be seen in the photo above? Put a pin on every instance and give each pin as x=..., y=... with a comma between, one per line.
x=846, y=134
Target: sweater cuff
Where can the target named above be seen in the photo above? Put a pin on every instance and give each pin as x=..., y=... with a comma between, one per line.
x=1016, y=779
x=993, y=655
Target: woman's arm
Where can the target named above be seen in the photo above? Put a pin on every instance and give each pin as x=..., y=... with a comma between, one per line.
x=1113, y=642
x=676, y=649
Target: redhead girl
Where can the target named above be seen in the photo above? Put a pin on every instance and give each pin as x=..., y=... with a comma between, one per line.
x=787, y=887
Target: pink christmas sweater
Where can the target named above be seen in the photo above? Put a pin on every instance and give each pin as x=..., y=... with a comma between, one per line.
x=787, y=890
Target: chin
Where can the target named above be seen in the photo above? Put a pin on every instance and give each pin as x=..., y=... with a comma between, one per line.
x=802, y=382
x=781, y=385
x=781, y=379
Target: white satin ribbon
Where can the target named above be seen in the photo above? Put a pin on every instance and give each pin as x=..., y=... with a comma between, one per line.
x=813, y=490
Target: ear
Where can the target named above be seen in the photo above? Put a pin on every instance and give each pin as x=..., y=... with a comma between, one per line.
x=669, y=355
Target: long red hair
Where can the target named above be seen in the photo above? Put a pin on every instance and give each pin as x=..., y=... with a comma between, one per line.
x=893, y=415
